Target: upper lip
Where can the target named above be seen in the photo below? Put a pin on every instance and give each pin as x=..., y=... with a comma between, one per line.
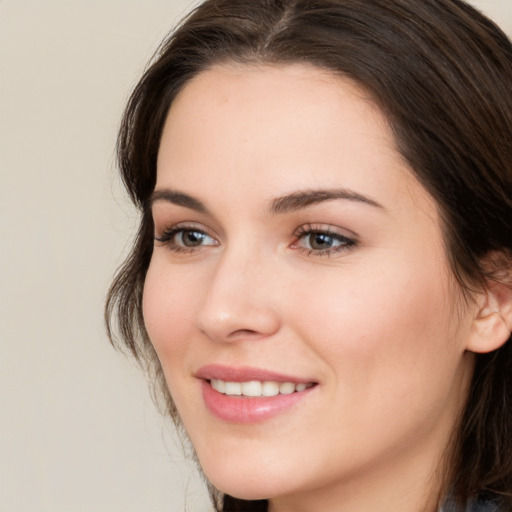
x=245, y=374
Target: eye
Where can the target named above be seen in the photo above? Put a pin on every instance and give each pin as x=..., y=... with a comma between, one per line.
x=183, y=239
x=189, y=238
x=322, y=241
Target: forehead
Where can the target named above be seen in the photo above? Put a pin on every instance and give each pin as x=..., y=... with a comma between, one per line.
x=275, y=129
x=248, y=98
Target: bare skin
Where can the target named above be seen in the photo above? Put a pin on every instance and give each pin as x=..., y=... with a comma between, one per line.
x=305, y=246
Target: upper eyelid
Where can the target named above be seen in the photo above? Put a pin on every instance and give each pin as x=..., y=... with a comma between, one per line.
x=161, y=216
x=328, y=229
x=303, y=229
x=177, y=228
x=328, y=232
x=183, y=225
x=291, y=204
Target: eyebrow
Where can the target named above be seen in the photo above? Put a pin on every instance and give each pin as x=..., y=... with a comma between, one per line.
x=303, y=199
x=285, y=204
x=177, y=198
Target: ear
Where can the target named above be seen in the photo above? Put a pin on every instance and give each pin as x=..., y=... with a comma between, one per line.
x=492, y=324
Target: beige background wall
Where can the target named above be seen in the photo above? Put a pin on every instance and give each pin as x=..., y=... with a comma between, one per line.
x=78, y=432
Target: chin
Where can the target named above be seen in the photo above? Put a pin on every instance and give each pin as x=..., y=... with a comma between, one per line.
x=244, y=483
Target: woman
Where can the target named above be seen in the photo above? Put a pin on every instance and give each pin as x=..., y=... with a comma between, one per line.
x=322, y=278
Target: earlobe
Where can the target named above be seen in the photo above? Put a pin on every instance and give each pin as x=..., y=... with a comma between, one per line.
x=492, y=324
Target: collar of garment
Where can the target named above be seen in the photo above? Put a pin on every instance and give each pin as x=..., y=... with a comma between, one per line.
x=480, y=504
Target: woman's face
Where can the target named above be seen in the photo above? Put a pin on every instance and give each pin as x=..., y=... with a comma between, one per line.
x=297, y=257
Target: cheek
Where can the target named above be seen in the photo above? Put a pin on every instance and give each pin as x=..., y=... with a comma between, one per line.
x=386, y=333
x=395, y=370
x=168, y=309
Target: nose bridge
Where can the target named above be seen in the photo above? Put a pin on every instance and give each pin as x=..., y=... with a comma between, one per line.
x=239, y=299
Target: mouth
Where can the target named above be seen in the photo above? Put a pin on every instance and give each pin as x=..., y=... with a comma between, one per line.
x=250, y=395
x=256, y=388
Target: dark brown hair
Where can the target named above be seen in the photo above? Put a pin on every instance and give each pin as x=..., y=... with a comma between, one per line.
x=442, y=74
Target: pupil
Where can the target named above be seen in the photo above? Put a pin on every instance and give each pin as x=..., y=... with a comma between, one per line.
x=321, y=241
x=193, y=238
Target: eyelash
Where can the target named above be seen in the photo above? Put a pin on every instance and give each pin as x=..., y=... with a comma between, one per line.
x=308, y=230
x=345, y=243
x=166, y=238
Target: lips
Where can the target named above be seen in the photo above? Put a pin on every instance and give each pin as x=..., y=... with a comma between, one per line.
x=247, y=395
x=245, y=374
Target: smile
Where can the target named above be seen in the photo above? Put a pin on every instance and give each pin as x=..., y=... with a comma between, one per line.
x=247, y=395
x=255, y=388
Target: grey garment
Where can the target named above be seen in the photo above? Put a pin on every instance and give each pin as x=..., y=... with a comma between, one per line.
x=475, y=505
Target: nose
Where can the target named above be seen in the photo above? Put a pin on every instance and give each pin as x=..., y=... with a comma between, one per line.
x=240, y=300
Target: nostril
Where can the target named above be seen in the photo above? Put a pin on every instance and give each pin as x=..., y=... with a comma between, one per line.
x=245, y=332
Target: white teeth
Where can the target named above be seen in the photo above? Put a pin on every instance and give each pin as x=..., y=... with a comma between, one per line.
x=233, y=388
x=255, y=388
x=286, y=388
x=219, y=385
x=252, y=388
x=270, y=389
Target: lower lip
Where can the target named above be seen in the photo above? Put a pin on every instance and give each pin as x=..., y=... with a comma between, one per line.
x=240, y=409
